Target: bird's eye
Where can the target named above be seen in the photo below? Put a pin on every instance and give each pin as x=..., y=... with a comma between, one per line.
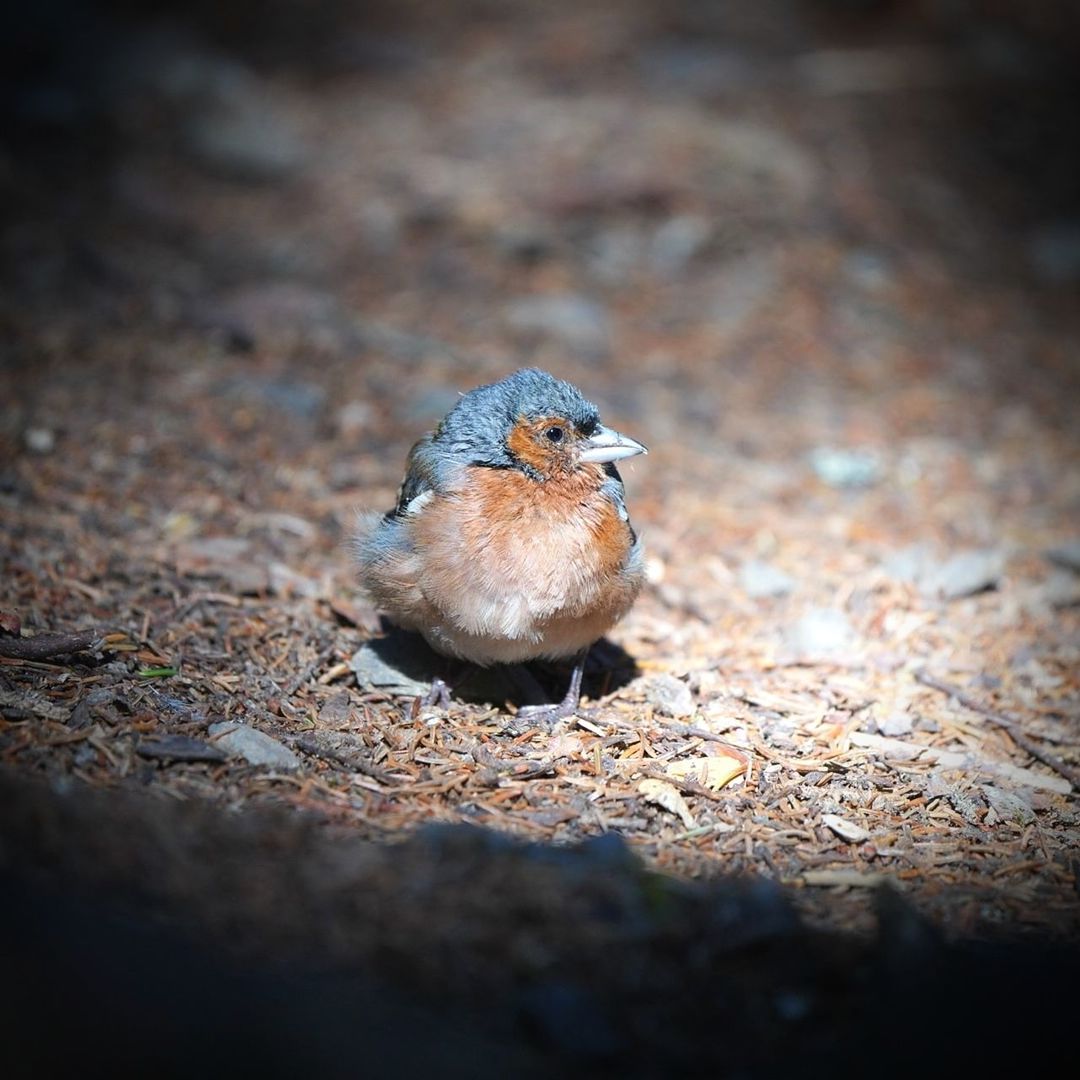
x=555, y=434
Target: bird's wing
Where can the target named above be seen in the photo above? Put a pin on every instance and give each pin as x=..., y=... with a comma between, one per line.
x=420, y=479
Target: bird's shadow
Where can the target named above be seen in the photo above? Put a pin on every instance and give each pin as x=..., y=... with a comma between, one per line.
x=406, y=664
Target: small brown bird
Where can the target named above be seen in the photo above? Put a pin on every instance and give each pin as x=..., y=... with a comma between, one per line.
x=510, y=540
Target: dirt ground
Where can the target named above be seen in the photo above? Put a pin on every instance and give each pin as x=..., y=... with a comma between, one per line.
x=823, y=259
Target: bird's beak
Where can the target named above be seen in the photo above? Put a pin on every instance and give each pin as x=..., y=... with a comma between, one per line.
x=605, y=445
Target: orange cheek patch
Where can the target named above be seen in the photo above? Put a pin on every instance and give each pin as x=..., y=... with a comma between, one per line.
x=526, y=443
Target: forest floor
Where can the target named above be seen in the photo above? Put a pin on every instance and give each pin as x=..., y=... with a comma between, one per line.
x=825, y=268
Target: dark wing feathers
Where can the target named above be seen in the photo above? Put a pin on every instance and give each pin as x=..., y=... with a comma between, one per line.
x=419, y=476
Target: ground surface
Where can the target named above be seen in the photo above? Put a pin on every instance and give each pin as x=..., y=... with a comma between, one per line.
x=822, y=265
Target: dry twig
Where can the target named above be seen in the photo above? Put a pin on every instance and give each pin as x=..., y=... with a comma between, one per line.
x=42, y=646
x=1018, y=736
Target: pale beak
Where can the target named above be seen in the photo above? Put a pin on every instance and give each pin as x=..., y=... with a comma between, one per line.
x=605, y=445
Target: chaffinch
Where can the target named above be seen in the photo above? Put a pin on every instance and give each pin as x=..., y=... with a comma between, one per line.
x=510, y=540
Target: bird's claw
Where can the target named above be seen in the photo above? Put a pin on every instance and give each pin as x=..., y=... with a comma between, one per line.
x=438, y=694
x=546, y=716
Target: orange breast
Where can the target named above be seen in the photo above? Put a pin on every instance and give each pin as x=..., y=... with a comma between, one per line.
x=540, y=550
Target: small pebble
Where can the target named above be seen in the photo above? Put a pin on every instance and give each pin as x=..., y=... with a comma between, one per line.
x=1066, y=555
x=963, y=574
x=896, y=724
x=567, y=317
x=845, y=829
x=255, y=747
x=677, y=241
x=669, y=696
x=39, y=440
x=760, y=580
x=376, y=668
x=821, y=632
x=844, y=468
x=1008, y=805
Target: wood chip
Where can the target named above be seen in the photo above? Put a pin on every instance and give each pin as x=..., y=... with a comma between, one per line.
x=845, y=829
x=714, y=772
x=666, y=796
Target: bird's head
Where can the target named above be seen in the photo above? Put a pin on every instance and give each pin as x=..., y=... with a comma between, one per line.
x=532, y=422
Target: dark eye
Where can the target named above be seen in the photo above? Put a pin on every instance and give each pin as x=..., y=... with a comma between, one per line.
x=555, y=434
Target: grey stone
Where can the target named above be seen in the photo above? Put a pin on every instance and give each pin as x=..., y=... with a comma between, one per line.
x=898, y=723
x=669, y=696
x=821, y=632
x=963, y=574
x=1066, y=555
x=244, y=139
x=1008, y=805
x=759, y=579
x=677, y=241
x=615, y=254
x=1060, y=590
x=353, y=419
x=39, y=440
x=845, y=468
x=968, y=805
x=403, y=664
x=378, y=666
x=567, y=317
x=255, y=747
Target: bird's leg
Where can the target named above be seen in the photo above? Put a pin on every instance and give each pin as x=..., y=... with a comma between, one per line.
x=440, y=690
x=549, y=714
x=438, y=694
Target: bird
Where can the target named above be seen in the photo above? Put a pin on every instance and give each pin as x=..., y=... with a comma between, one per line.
x=510, y=540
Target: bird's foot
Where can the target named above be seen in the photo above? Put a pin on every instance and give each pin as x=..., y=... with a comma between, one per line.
x=547, y=716
x=544, y=716
x=438, y=694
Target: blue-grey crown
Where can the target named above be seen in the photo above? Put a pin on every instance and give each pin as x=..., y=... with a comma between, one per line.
x=478, y=424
